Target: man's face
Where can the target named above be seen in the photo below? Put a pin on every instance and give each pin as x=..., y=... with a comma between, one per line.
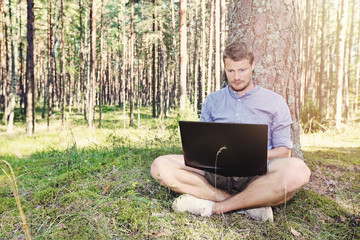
x=239, y=75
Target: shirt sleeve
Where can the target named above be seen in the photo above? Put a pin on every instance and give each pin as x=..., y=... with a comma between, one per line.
x=205, y=111
x=281, y=127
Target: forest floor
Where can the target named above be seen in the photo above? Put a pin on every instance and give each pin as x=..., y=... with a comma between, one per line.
x=95, y=184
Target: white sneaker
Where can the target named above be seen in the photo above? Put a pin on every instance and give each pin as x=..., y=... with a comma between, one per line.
x=263, y=213
x=193, y=205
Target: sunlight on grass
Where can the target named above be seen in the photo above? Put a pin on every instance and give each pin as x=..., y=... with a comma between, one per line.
x=348, y=137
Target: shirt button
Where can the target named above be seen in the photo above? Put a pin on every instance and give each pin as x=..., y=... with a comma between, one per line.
x=239, y=100
x=237, y=114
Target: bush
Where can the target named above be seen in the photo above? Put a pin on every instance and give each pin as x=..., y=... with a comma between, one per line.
x=310, y=117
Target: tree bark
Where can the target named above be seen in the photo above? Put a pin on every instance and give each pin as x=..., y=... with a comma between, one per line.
x=183, y=54
x=6, y=72
x=50, y=66
x=341, y=38
x=153, y=72
x=11, y=103
x=357, y=74
x=101, y=70
x=203, y=56
x=210, y=49
x=124, y=61
x=217, y=45
x=348, y=66
x=30, y=111
x=276, y=45
x=2, y=96
x=322, y=63
x=63, y=73
x=92, y=64
x=132, y=40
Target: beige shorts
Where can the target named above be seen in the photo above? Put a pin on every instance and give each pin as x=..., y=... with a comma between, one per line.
x=230, y=184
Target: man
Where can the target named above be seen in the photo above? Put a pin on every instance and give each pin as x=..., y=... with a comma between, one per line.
x=242, y=101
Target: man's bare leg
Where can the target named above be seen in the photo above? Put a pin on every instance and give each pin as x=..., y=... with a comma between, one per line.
x=170, y=171
x=285, y=176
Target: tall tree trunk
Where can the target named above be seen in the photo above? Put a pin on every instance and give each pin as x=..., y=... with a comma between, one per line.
x=348, y=66
x=322, y=63
x=11, y=103
x=278, y=67
x=217, y=45
x=124, y=61
x=132, y=40
x=153, y=79
x=101, y=63
x=2, y=96
x=183, y=54
x=86, y=83
x=210, y=49
x=92, y=64
x=203, y=56
x=63, y=73
x=6, y=73
x=222, y=35
x=50, y=65
x=71, y=88
x=30, y=111
x=175, y=55
x=357, y=74
x=195, y=60
x=341, y=38
x=81, y=82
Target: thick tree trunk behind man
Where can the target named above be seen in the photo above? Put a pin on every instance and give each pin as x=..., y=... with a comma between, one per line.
x=272, y=29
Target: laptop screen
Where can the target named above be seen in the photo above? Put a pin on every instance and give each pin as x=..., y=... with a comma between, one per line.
x=229, y=149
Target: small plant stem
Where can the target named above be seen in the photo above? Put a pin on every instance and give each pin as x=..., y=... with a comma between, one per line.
x=15, y=190
x=216, y=161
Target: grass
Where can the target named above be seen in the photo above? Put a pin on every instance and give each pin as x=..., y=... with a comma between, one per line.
x=95, y=184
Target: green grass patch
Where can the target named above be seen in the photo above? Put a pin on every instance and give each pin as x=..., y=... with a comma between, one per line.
x=96, y=184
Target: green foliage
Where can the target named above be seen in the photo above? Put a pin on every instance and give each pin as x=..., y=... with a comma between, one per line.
x=310, y=117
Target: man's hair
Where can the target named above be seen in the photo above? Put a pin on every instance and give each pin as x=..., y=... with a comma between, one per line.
x=238, y=51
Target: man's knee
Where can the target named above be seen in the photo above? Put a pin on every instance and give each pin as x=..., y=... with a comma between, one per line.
x=294, y=171
x=155, y=169
x=162, y=169
x=297, y=174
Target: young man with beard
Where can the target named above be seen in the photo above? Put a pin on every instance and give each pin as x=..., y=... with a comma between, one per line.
x=242, y=101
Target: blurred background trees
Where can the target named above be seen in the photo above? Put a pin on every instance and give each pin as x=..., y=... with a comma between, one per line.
x=128, y=55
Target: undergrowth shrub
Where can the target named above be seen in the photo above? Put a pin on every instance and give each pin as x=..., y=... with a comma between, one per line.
x=310, y=117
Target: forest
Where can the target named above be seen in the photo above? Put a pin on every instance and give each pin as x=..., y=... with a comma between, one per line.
x=78, y=55
x=91, y=92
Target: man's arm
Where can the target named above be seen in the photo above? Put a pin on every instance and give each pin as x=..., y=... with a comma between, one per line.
x=279, y=152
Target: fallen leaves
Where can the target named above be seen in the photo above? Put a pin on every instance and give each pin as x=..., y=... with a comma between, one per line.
x=341, y=219
x=106, y=190
x=295, y=233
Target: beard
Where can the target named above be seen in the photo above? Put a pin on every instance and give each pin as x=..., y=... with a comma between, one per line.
x=241, y=87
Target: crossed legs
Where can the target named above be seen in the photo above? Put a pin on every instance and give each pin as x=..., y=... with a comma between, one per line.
x=285, y=176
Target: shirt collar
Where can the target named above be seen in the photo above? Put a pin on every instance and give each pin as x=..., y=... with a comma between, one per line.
x=235, y=95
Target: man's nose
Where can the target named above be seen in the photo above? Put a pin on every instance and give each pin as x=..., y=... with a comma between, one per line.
x=237, y=75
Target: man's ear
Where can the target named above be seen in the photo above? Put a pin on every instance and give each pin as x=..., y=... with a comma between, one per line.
x=253, y=65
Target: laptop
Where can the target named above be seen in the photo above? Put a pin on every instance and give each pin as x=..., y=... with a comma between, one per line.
x=229, y=149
